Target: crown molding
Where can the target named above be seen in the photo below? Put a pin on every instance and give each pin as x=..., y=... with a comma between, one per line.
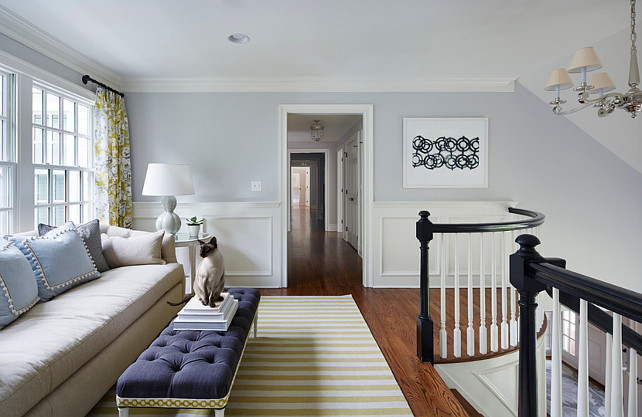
x=17, y=28
x=325, y=85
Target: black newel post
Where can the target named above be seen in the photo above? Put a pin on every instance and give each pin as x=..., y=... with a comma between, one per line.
x=424, y=322
x=528, y=289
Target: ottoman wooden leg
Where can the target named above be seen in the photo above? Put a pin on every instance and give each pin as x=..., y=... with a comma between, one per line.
x=256, y=323
x=123, y=412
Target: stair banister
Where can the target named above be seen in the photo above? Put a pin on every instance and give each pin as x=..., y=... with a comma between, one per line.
x=531, y=274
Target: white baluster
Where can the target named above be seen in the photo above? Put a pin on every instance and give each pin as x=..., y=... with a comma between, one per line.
x=582, y=363
x=456, y=330
x=607, y=375
x=617, y=403
x=556, y=357
x=513, y=295
x=443, y=336
x=504, y=257
x=483, y=335
x=470, y=331
x=633, y=383
x=493, y=297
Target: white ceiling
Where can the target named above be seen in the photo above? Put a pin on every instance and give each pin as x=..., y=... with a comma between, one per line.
x=134, y=43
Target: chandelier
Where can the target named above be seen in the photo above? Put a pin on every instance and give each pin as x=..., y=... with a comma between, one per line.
x=585, y=60
x=316, y=130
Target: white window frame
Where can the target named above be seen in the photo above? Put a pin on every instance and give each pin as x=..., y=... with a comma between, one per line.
x=8, y=149
x=26, y=75
x=84, y=204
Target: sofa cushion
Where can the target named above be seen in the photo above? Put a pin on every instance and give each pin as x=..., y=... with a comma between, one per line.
x=59, y=261
x=90, y=233
x=168, y=246
x=18, y=288
x=142, y=248
x=46, y=345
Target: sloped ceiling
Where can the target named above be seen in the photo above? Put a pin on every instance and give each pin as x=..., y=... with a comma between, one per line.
x=135, y=44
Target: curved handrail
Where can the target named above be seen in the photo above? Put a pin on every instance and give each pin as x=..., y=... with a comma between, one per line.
x=536, y=219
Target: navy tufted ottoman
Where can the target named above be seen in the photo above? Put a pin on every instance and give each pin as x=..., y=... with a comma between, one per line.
x=190, y=369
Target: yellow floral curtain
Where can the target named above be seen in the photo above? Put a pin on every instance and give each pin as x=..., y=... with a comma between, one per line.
x=112, y=160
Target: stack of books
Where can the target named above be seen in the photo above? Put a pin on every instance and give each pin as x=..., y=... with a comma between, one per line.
x=196, y=316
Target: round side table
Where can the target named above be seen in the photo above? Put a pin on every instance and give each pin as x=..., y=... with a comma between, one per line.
x=184, y=240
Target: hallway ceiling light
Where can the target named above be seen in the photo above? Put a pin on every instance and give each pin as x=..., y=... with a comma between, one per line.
x=316, y=130
x=585, y=60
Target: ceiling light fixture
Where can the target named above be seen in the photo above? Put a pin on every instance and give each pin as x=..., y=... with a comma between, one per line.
x=316, y=130
x=238, y=38
x=585, y=60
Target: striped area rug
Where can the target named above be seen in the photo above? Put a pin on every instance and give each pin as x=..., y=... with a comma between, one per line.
x=314, y=356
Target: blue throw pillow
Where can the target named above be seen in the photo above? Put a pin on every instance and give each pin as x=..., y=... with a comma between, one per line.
x=60, y=261
x=90, y=233
x=18, y=288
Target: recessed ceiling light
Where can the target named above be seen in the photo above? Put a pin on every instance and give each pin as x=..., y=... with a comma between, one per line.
x=238, y=38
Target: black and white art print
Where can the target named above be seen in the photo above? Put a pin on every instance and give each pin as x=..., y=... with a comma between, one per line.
x=445, y=153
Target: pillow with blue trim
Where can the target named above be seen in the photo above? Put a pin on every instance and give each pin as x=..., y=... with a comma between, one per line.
x=18, y=288
x=60, y=261
x=90, y=233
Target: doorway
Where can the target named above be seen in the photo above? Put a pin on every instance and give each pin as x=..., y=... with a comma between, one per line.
x=362, y=206
x=309, y=166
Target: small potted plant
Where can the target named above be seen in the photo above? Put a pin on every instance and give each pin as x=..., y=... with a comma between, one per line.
x=194, y=226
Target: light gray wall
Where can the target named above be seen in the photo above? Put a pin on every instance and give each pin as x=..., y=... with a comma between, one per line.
x=591, y=198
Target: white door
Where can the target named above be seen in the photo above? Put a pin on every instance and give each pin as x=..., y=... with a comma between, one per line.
x=296, y=187
x=352, y=184
x=306, y=184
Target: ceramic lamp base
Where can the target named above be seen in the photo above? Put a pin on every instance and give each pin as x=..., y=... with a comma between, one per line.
x=168, y=220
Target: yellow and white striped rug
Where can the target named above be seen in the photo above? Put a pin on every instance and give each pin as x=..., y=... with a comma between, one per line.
x=314, y=356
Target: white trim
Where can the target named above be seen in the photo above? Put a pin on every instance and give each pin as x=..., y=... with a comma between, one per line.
x=40, y=41
x=326, y=207
x=53, y=81
x=324, y=85
x=367, y=113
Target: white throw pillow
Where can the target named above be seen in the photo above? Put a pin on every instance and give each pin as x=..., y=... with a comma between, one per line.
x=124, y=249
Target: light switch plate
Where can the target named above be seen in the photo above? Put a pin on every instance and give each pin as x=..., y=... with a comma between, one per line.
x=255, y=186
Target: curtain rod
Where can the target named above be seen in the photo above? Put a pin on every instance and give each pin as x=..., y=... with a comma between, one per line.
x=86, y=78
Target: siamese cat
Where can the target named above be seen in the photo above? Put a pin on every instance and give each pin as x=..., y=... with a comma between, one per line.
x=210, y=276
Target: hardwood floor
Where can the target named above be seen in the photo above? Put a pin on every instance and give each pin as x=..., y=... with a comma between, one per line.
x=322, y=263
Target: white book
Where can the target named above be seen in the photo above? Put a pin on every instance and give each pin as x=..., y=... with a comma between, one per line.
x=207, y=315
x=221, y=325
x=195, y=306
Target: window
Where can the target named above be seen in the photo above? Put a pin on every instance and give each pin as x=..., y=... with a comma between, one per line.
x=7, y=152
x=569, y=319
x=62, y=151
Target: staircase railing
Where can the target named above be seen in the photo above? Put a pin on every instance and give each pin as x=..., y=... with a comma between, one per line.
x=531, y=274
x=494, y=247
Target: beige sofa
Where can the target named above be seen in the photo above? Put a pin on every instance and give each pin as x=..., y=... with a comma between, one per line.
x=62, y=356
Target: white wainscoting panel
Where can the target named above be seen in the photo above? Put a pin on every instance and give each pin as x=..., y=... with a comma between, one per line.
x=396, y=248
x=248, y=235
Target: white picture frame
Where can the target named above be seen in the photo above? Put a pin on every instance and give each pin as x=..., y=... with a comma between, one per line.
x=445, y=152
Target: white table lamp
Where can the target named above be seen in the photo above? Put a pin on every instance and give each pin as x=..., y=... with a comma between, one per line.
x=168, y=181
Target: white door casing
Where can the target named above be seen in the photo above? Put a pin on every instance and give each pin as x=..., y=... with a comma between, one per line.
x=367, y=173
x=352, y=185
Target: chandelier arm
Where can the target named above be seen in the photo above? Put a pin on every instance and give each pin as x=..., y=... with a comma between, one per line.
x=558, y=109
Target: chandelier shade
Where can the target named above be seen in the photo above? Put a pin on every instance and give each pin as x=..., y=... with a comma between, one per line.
x=585, y=58
x=601, y=83
x=558, y=78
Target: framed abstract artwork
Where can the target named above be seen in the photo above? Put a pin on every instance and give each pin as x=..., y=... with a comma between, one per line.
x=445, y=153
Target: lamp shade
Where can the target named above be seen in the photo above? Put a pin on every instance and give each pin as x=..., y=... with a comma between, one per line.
x=168, y=180
x=558, y=77
x=601, y=81
x=585, y=58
